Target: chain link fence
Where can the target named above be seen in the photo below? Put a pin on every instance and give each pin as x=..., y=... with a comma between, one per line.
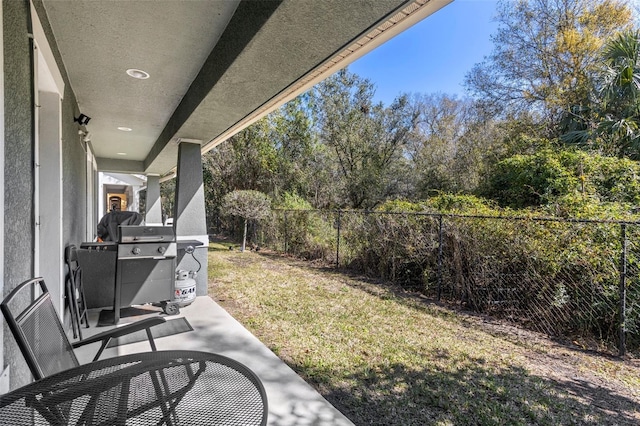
x=577, y=280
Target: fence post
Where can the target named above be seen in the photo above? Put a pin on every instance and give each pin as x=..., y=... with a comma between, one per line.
x=439, y=257
x=338, y=241
x=622, y=347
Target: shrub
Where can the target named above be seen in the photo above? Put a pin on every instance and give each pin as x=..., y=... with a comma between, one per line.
x=461, y=204
x=550, y=175
x=304, y=232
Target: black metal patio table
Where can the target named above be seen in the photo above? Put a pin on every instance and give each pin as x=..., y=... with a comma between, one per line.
x=152, y=388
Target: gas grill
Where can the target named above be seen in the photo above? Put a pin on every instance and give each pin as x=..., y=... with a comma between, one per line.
x=145, y=268
x=146, y=242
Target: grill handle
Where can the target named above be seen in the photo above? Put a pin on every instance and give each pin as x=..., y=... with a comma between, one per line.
x=148, y=239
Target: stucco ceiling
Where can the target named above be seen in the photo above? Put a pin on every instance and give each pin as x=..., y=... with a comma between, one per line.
x=214, y=66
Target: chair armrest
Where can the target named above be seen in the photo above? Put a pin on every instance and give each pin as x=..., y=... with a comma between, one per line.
x=120, y=331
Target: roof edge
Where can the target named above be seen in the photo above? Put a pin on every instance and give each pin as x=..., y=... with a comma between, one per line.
x=393, y=24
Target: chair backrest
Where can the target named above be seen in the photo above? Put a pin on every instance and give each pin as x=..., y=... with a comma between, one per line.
x=73, y=288
x=34, y=323
x=71, y=256
x=75, y=271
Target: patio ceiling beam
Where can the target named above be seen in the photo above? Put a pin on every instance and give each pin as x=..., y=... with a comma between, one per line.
x=249, y=18
x=120, y=166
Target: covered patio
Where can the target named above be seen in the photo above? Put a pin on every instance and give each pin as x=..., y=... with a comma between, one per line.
x=145, y=88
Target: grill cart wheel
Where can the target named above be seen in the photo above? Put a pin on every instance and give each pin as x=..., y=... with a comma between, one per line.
x=170, y=308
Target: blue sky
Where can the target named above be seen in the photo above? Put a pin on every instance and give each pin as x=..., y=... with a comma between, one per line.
x=434, y=55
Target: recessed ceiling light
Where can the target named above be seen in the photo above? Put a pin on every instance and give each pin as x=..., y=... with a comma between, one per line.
x=121, y=153
x=139, y=74
x=125, y=129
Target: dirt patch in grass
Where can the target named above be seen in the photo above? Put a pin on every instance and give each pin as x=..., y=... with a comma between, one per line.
x=385, y=356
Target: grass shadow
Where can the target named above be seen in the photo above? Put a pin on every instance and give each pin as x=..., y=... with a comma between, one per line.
x=468, y=392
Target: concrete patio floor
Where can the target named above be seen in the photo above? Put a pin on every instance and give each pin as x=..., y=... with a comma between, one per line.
x=291, y=400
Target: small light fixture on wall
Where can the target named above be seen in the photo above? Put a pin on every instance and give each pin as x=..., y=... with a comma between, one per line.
x=82, y=119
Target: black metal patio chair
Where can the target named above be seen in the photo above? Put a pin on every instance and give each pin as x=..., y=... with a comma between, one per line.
x=75, y=292
x=41, y=337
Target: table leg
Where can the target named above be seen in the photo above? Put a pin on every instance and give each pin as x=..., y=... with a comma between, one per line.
x=116, y=294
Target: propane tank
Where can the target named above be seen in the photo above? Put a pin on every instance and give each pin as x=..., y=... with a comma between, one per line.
x=185, y=288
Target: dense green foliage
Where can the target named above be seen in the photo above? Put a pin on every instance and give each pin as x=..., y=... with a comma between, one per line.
x=554, y=176
x=306, y=236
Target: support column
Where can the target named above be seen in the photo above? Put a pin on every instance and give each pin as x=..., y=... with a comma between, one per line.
x=189, y=219
x=153, y=214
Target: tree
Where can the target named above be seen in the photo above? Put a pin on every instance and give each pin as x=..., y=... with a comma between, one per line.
x=255, y=157
x=620, y=94
x=278, y=154
x=455, y=144
x=249, y=205
x=365, y=139
x=442, y=151
x=168, y=196
x=295, y=144
x=614, y=126
x=544, y=57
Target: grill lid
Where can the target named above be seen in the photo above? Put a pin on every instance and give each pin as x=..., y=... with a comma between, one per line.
x=146, y=234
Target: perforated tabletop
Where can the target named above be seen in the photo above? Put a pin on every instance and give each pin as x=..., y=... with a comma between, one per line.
x=152, y=388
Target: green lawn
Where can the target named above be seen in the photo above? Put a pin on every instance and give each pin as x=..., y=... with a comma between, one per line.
x=389, y=358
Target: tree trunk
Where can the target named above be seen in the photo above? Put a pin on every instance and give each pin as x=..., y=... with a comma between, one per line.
x=244, y=236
